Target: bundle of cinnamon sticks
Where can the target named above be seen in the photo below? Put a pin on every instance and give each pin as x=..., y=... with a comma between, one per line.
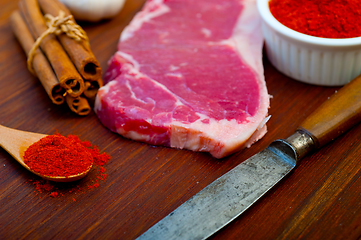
x=58, y=53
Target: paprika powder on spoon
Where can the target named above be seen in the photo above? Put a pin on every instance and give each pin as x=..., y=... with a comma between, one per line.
x=321, y=18
x=56, y=155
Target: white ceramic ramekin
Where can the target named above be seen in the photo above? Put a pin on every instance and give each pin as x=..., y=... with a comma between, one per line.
x=314, y=60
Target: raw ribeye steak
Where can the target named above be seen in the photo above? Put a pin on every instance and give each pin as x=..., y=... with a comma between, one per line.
x=188, y=74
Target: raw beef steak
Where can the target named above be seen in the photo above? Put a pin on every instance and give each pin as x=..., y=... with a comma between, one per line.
x=188, y=74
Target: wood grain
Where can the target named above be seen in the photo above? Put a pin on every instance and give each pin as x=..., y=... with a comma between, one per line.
x=336, y=115
x=321, y=199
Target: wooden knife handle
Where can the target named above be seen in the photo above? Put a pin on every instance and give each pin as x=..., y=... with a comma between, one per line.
x=336, y=115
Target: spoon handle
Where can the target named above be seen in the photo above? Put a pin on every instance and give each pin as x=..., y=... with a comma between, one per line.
x=15, y=142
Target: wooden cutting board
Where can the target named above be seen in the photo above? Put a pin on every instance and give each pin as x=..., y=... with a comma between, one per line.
x=320, y=200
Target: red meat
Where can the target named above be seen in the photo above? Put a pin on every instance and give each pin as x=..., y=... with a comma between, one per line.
x=188, y=74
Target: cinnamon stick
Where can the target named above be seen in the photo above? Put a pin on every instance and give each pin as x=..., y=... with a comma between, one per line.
x=91, y=88
x=79, y=52
x=41, y=65
x=79, y=105
x=68, y=76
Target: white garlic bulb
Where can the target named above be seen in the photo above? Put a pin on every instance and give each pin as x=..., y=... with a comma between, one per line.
x=93, y=10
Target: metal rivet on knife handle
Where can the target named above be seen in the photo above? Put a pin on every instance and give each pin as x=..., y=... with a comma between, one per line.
x=300, y=143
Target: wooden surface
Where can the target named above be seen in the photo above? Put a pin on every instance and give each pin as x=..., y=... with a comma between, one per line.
x=321, y=199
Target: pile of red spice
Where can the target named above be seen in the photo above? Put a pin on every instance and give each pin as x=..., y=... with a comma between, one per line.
x=56, y=155
x=321, y=18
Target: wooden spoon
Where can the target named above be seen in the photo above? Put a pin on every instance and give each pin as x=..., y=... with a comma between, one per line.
x=15, y=142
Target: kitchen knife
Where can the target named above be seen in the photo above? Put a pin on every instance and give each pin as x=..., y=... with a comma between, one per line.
x=231, y=194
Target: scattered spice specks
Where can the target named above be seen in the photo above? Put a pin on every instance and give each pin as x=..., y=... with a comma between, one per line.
x=91, y=181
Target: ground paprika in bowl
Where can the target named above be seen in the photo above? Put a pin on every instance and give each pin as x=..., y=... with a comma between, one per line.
x=319, y=59
x=321, y=18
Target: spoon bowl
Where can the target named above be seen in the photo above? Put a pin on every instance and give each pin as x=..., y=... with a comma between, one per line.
x=15, y=142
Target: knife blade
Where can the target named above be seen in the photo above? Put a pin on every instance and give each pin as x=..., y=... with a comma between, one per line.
x=231, y=194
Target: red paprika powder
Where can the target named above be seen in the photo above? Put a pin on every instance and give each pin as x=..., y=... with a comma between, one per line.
x=65, y=156
x=56, y=155
x=321, y=18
